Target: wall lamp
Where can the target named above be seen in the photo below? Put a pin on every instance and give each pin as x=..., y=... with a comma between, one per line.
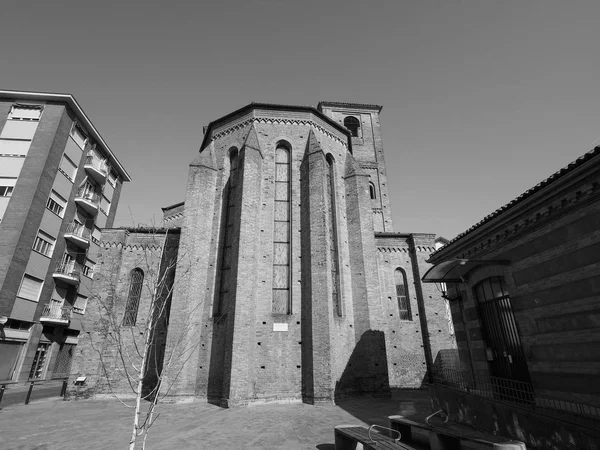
x=443, y=289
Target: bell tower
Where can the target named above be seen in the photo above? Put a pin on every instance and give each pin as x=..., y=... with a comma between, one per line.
x=367, y=148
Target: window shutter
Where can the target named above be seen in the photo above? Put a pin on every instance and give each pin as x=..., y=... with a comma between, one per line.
x=30, y=288
x=18, y=129
x=10, y=147
x=26, y=112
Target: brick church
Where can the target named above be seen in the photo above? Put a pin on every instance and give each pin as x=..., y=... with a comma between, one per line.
x=286, y=279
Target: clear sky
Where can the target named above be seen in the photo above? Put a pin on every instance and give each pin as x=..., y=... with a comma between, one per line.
x=481, y=99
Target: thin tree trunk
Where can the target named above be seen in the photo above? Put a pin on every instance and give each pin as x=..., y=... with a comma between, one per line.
x=138, y=400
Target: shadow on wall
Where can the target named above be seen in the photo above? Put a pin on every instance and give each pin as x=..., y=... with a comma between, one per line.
x=446, y=359
x=367, y=368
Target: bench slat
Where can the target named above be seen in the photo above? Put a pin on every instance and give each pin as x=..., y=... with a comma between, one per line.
x=449, y=429
x=361, y=434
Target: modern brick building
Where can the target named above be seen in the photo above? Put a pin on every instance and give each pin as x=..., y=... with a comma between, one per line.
x=524, y=289
x=291, y=283
x=59, y=185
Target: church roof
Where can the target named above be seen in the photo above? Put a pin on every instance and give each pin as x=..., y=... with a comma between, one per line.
x=273, y=107
x=350, y=105
x=592, y=154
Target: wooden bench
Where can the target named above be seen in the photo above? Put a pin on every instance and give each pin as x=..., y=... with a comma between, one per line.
x=444, y=435
x=356, y=437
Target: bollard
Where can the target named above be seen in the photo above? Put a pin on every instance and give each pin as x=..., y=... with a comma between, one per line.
x=510, y=445
x=29, y=393
x=2, y=392
x=63, y=390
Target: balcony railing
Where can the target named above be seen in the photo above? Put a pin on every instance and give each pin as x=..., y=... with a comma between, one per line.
x=78, y=234
x=69, y=272
x=88, y=200
x=518, y=393
x=96, y=168
x=55, y=312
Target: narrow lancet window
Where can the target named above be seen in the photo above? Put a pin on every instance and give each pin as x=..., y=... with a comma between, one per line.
x=372, y=191
x=133, y=299
x=228, y=217
x=332, y=235
x=402, y=295
x=281, y=232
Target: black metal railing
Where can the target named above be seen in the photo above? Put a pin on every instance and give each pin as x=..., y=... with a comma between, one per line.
x=518, y=393
x=69, y=269
x=78, y=230
x=56, y=310
x=88, y=195
x=97, y=164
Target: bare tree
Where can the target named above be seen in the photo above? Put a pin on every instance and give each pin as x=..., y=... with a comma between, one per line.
x=131, y=326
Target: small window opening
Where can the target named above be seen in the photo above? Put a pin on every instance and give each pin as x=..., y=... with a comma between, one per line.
x=353, y=125
x=372, y=191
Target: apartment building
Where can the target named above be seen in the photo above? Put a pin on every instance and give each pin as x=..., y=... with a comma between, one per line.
x=60, y=184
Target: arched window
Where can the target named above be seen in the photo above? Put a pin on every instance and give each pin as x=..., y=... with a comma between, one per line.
x=281, y=231
x=332, y=235
x=372, y=191
x=133, y=299
x=402, y=295
x=353, y=125
x=226, y=251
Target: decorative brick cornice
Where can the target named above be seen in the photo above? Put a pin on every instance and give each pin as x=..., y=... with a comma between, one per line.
x=392, y=249
x=378, y=108
x=121, y=246
x=278, y=120
x=174, y=217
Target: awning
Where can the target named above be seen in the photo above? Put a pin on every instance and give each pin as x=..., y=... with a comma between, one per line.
x=454, y=270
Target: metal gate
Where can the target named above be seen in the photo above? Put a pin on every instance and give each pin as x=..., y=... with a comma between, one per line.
x=500, y=333
x=62, y=367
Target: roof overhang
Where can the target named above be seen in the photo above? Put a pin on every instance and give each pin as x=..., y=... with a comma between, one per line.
x=81, y=116
x=454, y=271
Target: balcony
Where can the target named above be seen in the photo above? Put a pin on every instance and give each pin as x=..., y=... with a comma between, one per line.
x=96, y=169
x=68, y=273
x=78, y=235
x=88, y=201
x=56, y=314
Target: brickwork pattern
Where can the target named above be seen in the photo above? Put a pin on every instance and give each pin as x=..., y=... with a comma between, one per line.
x=244, y=353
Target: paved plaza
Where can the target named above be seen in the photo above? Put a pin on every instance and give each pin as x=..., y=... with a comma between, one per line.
x=105, y=424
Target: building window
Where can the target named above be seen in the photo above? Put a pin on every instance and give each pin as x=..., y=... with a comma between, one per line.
x=68, y=167
x=353, y=124
x=112, y=178
x=372, y=191
x=56, y=204
x=6, y=191
x=228, y=216
x=96, y=235
x=80, y=304
x=500, y=331
x=104, y=205
x=88, y=268
x=402, y=295
x=25, y=112
x=281, y=231
x=78, y=136
x=19, y=129
x=30, y=288
x=332, y=240
x=7, y=186
x=39, y=362
x=133, y=299
x=44, y=243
